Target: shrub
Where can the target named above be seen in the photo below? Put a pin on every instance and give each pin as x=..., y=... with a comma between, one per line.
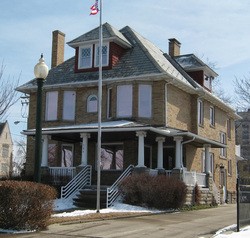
x=25, y=205
x=159, y=192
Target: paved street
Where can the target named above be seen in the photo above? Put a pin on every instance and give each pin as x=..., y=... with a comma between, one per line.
x=192, y=224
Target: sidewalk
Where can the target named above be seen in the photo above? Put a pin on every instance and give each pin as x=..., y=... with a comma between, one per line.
x=190, y=224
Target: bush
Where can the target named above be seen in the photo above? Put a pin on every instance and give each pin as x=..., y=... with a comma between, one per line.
x=160, y=192
x=25, y=205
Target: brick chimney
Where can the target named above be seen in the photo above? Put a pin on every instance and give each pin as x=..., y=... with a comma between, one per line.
x=174, y=47
x=58, y=42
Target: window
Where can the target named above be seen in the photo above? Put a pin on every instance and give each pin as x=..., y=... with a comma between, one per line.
x=85, y=57
x=229, y=128
x=105, y=55
x=124, y=101
x=223, y=141
x=145, y=101
x=109, y=103
x=52, y=149
x=51, y=106
x=92, y=103
x=5, y=150
x=112, y=156
x=212, y=163
x=200, y=113
x=212, y=116
x=208, y=81
x=229, y=168
x=69, y=99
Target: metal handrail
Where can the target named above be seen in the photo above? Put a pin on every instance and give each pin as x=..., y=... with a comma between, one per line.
x=82, y=179
x=113, y=193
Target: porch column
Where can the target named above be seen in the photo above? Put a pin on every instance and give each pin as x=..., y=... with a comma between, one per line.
x=178, y=149
x=141, y=135
x=45, y=149
x=85, y=137
x=160, y=141
x=207, y=158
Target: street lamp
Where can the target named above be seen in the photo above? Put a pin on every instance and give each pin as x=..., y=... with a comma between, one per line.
x=41, y=71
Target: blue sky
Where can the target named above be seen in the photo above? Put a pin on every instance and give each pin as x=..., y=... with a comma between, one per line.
x=217, y=30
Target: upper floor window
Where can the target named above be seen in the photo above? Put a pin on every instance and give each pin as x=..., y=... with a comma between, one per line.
x=229, y=128
x=124, y=101
x=105, y=55
x=85, y=57
x=92, y=103
x=200, y=112
x=212, y=116
x=208, y=81
x=145, y=101
x=223, y=141
x=5, y=150
x=109, y=103
x=51, y=106
x=69, y=99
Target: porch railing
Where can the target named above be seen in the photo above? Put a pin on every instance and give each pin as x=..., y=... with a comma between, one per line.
x=82, y=179
x=60, y=173
x=113, y=193
x=192, y=178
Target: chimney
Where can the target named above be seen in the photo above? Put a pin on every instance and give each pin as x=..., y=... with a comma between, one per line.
x=174, y=47
x=58, y=42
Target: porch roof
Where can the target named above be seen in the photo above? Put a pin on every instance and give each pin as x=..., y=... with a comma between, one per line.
x=128, y=126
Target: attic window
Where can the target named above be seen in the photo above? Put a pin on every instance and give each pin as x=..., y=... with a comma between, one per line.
x=105, y=55
x=208, y=81
x=85, y=57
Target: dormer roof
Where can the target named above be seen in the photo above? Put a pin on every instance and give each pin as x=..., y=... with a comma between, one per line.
x=109, y=34
x=190, y=63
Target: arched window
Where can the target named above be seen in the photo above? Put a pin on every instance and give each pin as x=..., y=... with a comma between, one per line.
x=92, y=103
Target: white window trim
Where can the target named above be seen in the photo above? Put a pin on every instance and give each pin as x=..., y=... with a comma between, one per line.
x=69, y=145
x=47, y=114
x=65, y=110
x=140, y=114
x=223, y=152
x=97, y=58
x=80, y=54
x=88, y=106
x=212, y=115
x=130, y=111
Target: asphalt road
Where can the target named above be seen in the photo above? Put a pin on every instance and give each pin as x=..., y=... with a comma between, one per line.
x=191, y=224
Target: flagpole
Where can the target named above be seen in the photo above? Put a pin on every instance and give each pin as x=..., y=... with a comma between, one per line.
x=99, y=140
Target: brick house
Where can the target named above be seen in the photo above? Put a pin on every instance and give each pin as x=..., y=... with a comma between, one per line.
x=6, y=147
x=159, y=113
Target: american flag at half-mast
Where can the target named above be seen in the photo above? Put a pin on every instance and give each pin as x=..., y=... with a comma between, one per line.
x=94, y=9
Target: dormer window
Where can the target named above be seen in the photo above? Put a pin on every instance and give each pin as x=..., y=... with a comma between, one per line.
x=85, y=57
x=105, y=55
x=207, y=81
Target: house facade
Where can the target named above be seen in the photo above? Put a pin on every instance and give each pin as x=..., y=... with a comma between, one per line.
x=158, y=112
x=6, y=147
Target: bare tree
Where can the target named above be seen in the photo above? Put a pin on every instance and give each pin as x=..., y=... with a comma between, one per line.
x=20, y=157
x=242, y=90
x=8, y=95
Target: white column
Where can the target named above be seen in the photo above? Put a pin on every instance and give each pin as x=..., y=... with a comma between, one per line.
x=141, y=135
x=85, y=137
x=178, y=149
x=207, y=158
x=45, y=149
x=160, y=141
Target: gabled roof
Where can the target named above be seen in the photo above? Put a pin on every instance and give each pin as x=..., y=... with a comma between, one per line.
x=108, y=32
x=192, y=63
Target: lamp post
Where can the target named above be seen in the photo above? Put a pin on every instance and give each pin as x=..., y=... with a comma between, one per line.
x=41, y=71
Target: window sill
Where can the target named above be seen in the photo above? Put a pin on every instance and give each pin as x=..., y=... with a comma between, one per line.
x=212, y=126
x=223, y=157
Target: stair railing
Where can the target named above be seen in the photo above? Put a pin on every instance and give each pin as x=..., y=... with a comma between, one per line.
x=82, y=179
x=113, y=193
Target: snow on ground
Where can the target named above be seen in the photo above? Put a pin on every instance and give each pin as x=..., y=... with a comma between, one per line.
x=244, y=232
x=118, y=207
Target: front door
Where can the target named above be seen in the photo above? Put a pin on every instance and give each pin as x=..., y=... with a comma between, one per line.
x=67, y=155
